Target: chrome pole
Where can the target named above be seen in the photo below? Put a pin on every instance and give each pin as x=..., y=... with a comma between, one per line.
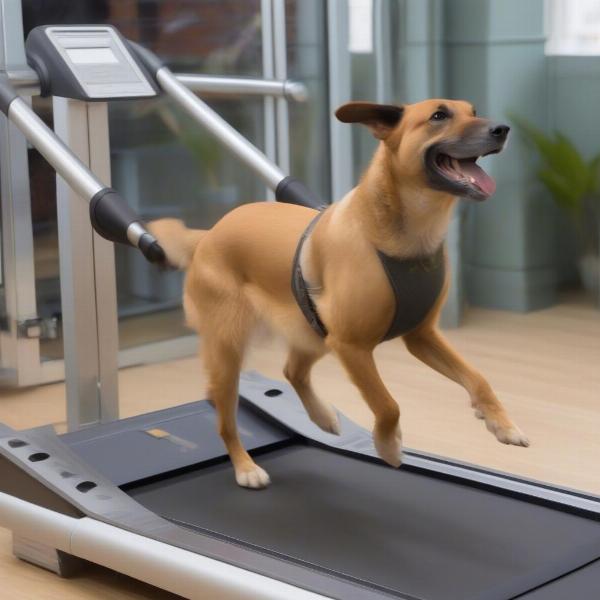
x=70, y=168
x=236, y=86
x=25, y=81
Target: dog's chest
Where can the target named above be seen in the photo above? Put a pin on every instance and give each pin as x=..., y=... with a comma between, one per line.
x=416, y=284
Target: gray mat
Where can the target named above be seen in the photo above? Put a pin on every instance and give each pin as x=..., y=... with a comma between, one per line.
x=579, y=585
x=401, y=532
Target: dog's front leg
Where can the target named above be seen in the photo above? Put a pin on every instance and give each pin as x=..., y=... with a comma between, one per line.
x=429, y=346
x=359, y=364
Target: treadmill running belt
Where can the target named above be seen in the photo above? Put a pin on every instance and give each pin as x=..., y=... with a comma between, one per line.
x=397, y=531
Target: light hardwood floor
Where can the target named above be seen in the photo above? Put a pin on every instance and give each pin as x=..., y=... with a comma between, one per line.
x=545, y=366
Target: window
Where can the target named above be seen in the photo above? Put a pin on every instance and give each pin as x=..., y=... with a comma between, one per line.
x=573, y=27
x=360, y=39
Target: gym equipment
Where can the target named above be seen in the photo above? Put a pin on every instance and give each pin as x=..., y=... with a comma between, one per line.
x=153, y=496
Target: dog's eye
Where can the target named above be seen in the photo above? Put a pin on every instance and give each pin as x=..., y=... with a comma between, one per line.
x=439, y=115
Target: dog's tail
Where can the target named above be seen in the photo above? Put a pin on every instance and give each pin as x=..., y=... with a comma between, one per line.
x=178, y=242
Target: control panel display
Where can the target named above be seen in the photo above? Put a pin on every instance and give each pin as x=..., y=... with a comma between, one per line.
x=88, y=56
x=87, y=62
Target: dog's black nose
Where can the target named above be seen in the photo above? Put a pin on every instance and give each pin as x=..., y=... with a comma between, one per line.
x=499, y=131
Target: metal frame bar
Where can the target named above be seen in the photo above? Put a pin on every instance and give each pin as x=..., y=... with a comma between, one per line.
x=280, y=71
x=19, y=355
x=268, y=68
x=27, y=83
x=339, y=80
x=87, y=274
x=240, y=86
x=60, y=156
x=180, y=347
x=382, y=50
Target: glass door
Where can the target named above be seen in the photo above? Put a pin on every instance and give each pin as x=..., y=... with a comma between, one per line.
x=165, y=164
x=162, y=163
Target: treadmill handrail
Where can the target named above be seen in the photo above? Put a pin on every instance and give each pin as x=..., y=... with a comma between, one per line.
x=111, y=216
x=238, y=86
x=286, y=188
x=223, y=131
x=27, y=83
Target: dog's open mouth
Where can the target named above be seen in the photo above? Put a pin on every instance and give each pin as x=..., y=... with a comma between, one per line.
x=452, y=167
x=467, y=172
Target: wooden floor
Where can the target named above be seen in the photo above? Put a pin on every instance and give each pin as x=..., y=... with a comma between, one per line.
x=545, y=366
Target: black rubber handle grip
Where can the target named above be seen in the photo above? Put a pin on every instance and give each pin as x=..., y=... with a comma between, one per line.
x=292, y=191
x=111, y=216
x=152, y=250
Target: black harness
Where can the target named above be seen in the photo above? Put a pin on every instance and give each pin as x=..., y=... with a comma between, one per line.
x=416, y=283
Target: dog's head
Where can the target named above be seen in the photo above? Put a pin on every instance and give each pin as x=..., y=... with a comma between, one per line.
x=435, y=142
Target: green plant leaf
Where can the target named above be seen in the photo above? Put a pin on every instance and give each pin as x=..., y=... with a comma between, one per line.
x=573, y=164
x=565, y=173
x=595, y=177
x=560, y=189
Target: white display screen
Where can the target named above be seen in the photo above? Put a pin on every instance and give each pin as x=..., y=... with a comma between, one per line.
x=88, y=56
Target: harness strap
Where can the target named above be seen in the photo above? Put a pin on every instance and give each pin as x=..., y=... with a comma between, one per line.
x=300, y=289
x=416, y=283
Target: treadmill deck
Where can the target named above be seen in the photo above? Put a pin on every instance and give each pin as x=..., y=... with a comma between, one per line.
x=335, y=520
x=400, y=532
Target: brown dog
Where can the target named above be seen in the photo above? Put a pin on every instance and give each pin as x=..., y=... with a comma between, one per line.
x=239, y=272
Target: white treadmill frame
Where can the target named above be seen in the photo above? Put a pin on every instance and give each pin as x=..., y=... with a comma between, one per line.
x=170, y=568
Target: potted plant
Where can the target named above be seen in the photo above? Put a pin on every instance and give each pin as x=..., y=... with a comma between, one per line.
x=574, y=184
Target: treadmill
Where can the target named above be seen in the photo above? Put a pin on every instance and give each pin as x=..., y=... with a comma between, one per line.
x=153, y=496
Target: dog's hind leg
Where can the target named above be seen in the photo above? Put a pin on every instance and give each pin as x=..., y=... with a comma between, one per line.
x=429, y=346
x=223, y=349
x=297, y=371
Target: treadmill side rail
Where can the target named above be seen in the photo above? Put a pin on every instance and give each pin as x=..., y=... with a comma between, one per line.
x=116, y=524
x=257, y=390
x=179, y=571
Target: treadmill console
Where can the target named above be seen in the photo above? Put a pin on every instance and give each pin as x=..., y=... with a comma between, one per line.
x=91, y=63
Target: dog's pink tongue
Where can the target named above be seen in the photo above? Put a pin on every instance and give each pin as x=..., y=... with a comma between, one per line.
x=483, y=181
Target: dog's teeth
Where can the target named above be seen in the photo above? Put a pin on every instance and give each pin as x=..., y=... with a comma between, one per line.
x=472, y=179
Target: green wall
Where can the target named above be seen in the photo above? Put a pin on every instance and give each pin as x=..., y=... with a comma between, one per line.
x=573, y=100
x=495, y=58
x=517, y=247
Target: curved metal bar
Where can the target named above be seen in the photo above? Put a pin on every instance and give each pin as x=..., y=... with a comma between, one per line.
x=223, y=131
x=54, y=150
x=237, y=86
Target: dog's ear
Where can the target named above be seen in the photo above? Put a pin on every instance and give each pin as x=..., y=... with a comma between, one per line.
x=381, y=119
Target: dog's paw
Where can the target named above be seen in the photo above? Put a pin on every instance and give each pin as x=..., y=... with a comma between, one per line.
x=512, y=435
x=389, y=447
x=325, y=416
x=509, y=434
x=255, y=478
